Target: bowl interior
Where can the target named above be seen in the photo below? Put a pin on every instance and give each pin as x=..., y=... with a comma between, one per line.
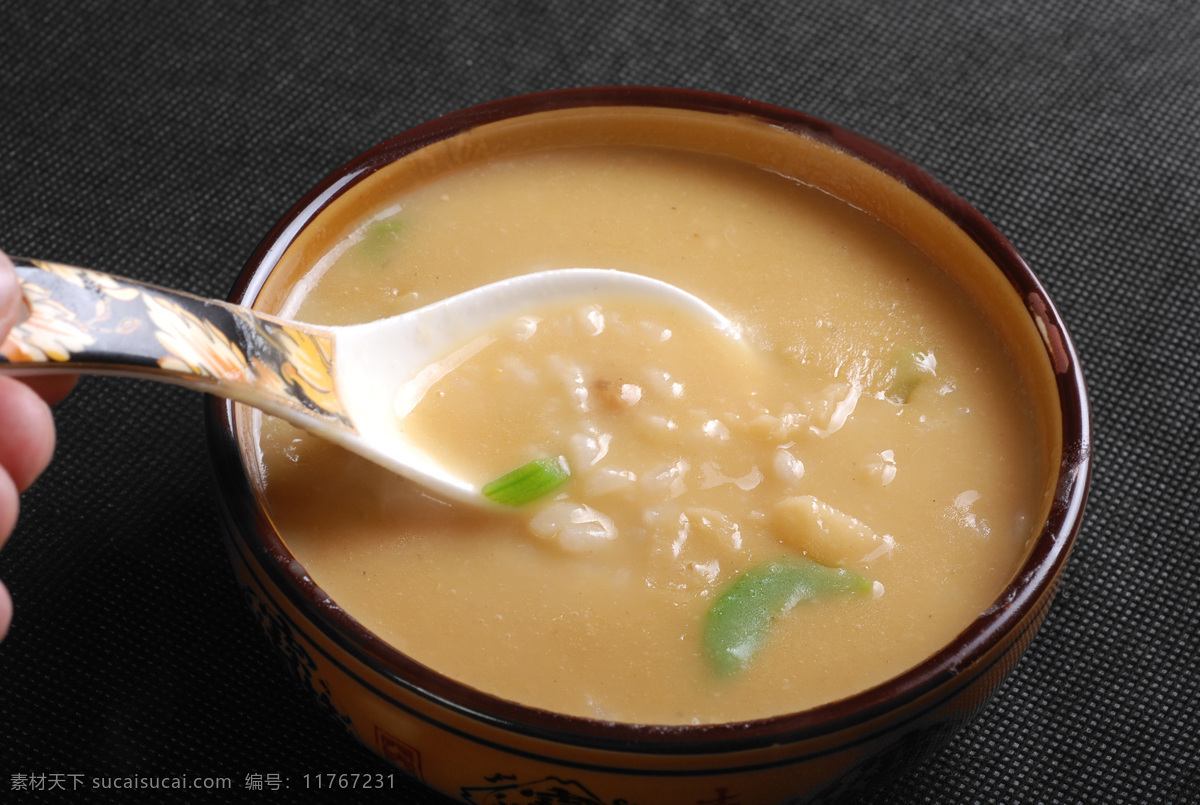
x=853, y=169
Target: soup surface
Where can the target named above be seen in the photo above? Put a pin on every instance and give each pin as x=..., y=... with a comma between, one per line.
x=867, y=421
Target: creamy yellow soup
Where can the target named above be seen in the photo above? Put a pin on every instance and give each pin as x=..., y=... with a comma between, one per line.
x=868, y=420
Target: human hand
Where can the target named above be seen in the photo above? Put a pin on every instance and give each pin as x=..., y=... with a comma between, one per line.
x=26, y=426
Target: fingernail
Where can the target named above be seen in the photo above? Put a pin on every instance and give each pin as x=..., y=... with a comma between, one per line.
x=10, y=294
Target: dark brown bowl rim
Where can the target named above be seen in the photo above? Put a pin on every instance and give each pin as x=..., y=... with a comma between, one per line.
x=1015, y=607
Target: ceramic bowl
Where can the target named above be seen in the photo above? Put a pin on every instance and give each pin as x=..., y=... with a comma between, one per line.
x=479, y=748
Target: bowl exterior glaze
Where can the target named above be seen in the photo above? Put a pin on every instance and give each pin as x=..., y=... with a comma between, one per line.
x=481, y=749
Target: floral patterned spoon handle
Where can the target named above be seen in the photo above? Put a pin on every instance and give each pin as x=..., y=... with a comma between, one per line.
x=353, y=385
x=85, y=321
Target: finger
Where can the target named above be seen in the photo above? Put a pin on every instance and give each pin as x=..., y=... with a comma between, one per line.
x=26, y=432
x=10, y=296
x=10, y=306
x=51, y=388
x=10, y=504
x=5, y=611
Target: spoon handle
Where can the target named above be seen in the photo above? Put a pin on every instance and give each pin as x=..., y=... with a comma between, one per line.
x=85, y=321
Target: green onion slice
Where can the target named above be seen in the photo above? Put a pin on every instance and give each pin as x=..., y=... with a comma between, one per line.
x=739, y=621
x=529, y=482
x=907, y=373
x=380, y=237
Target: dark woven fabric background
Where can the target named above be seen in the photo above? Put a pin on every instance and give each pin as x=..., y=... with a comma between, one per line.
x=162, y=141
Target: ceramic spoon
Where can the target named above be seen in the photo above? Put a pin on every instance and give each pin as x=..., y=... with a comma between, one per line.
x=352, y=385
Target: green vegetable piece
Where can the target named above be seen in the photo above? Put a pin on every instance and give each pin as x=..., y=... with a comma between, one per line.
x=379, y=239
x=529, y=482
x=908, y=371
x=739, y=621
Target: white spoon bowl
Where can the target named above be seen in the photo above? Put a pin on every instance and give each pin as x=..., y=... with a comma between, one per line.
x=352, y=385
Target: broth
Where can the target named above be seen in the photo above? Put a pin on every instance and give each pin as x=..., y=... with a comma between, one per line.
x=869, y=420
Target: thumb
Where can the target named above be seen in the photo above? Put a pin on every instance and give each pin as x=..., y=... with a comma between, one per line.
x=10, y=296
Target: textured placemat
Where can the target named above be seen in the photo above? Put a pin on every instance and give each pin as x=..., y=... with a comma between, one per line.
x=162, y=140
